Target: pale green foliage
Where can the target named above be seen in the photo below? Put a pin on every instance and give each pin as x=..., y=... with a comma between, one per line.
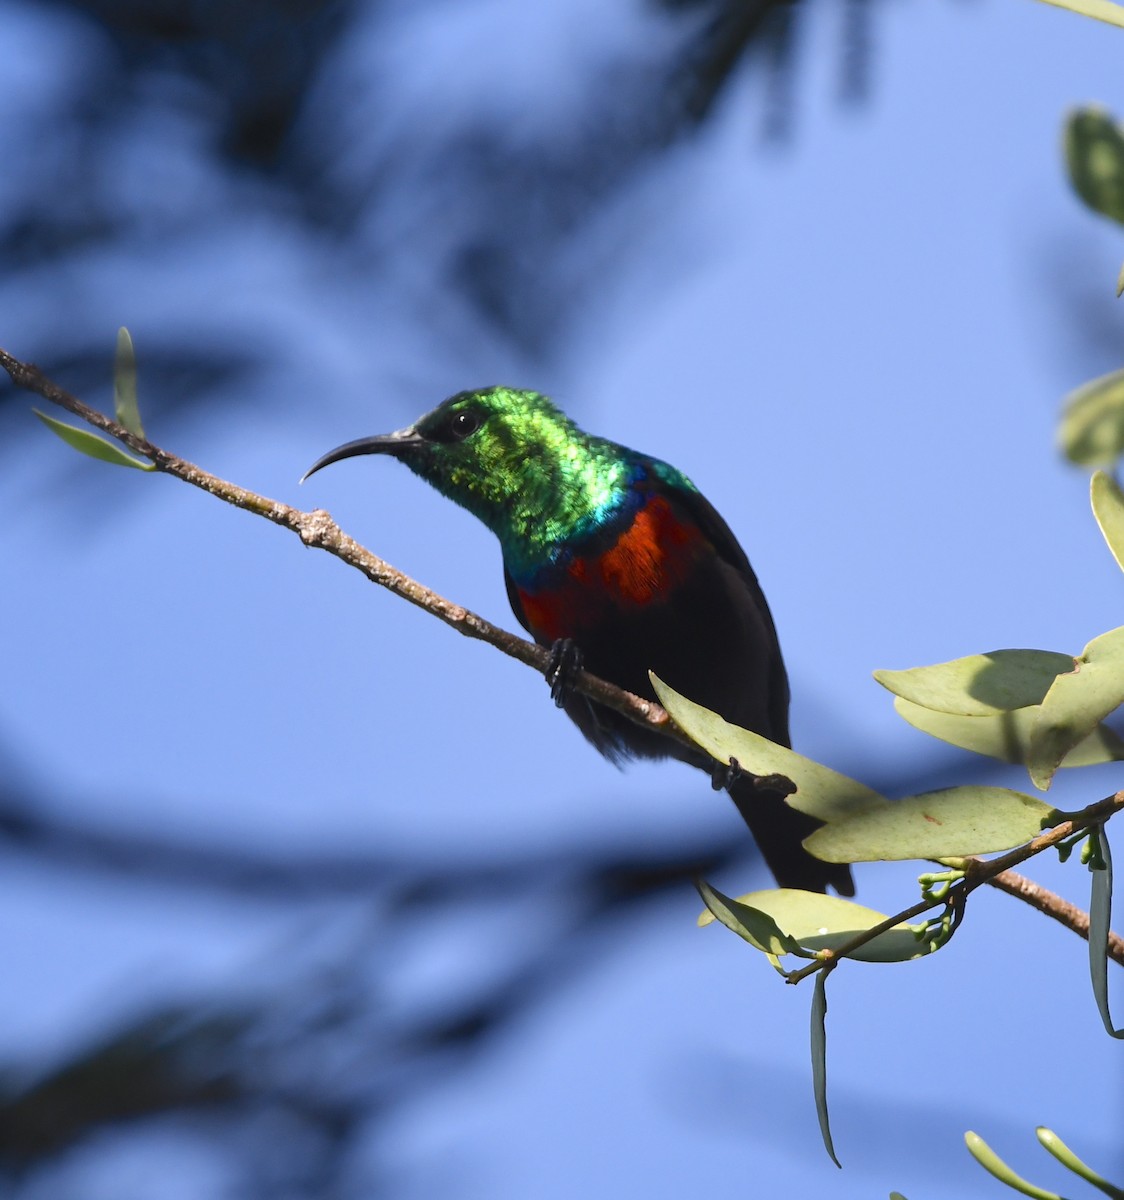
x=1037, y=707
x=785, y=921
x=994, y=1165
x=1108, y=507
x=1076, y=703
x=979, y=685
x=1094, y=155
x=1091, y=433
x=126, y=411
x=1099, y=10
x=1049, y=1140
x=1061, y=726
x=951, y=823
x=1006, y=736
x=1031, y=706
x=125, y=384
x=780, y=921
x=93, y=445
x=1040, y=708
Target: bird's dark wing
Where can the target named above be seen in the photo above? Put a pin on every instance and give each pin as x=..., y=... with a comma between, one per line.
x=699, y=509
x=777, y=828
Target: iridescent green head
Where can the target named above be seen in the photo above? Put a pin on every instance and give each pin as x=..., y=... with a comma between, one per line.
x=515, y=461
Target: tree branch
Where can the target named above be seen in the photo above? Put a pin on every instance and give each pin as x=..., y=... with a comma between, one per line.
x=317, y=529
x=995, y=871
x=1054, y=906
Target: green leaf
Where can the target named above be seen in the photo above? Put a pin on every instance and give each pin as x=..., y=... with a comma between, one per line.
x=1075, y=705
x=1108, y=508
x=994, y=1165
x=125, y=384
x=819, y=1061
x=979, y=685
x=1054, y=1144
x=821, y=792
x=946, y=824
x=1120, y=283
x=93, y=445
x=1100, y=917
x=1091, y=433
x=756, y=927
x=817, y=922
x=1099, y=10
x=1007, y=736
x=1094, y=154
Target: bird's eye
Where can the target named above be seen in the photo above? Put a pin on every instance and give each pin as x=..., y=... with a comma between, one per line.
x=464, y=423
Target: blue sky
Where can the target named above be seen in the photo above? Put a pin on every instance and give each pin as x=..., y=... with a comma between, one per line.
x=856, y=343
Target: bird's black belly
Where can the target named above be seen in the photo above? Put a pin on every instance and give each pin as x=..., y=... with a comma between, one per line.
x=709, y=641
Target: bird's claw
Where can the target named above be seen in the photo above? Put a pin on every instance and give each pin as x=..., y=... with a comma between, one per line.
x=722, y=775
x=562, y=670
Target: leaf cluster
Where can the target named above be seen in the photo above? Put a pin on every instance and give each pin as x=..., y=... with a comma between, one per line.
x=1040, y=708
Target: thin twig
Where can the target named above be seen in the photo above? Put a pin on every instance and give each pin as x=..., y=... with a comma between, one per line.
x=317, y=529
x=981, y=871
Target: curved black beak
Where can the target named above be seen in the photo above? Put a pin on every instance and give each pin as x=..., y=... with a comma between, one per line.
x=393, y=444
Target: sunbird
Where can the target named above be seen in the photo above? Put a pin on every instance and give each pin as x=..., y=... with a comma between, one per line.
x=617, y=563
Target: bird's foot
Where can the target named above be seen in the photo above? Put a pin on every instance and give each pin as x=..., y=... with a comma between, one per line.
x=562, y=670
x=723, y=776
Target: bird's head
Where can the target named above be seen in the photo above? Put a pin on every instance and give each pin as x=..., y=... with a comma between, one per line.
x=510, y=457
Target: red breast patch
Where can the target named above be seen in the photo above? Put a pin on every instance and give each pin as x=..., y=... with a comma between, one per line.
x=648, y=560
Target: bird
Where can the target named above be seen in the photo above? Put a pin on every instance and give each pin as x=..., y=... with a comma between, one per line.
x=616, y=562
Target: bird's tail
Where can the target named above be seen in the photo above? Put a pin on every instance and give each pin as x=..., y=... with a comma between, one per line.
x=778, y=830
